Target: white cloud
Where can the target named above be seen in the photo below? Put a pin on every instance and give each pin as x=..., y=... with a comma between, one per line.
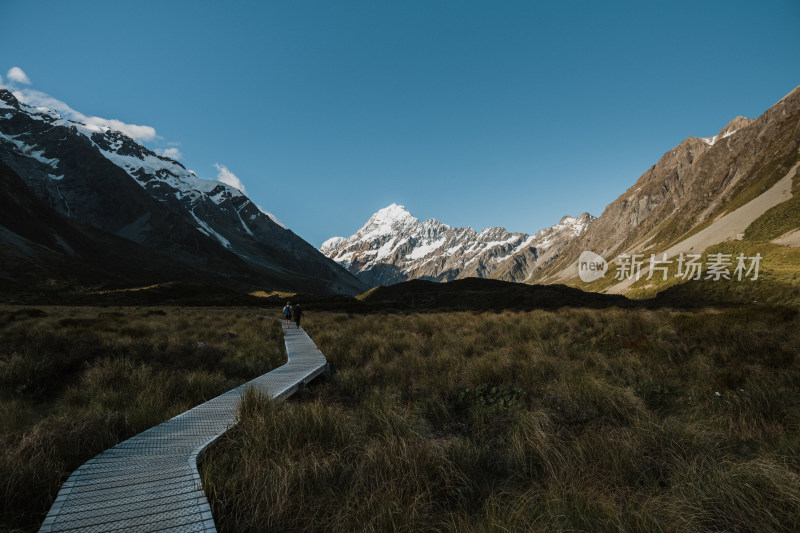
x=134, y=131
x=172, y=153
x=18, y=75
x=16, y=79
x=39, y=99
x=229, y=178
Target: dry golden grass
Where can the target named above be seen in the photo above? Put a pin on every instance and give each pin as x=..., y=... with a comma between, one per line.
x=592, y=420
x=574, y=420
x=77, y=380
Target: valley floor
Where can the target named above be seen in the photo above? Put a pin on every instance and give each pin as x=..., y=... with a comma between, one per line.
x=574, y=419
x=75, y=381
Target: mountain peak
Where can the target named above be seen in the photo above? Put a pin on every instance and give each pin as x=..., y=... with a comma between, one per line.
x=391, y=214
x=393, y=246
x=730, y=128
x=582, y=218
x=733, y=126
x=8, y=99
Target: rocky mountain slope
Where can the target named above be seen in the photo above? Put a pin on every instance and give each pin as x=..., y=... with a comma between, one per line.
x=394, y=246
x=101, y=178
x=692, y=191
x=42, y=250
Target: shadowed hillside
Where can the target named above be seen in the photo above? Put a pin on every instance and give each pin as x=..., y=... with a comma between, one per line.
x=484, y=295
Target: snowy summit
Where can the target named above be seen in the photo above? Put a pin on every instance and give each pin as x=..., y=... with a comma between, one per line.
x=394, y=246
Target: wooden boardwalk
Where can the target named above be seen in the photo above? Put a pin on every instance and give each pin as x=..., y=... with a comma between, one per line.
x=150, y=482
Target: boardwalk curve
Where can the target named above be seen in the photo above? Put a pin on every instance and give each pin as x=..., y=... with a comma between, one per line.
x=150, y=482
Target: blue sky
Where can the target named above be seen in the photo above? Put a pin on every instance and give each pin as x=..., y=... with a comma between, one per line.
x=479, y=114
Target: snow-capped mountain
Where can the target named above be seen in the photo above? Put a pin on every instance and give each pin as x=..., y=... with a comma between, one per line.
x=394, y=246
x=101, y=177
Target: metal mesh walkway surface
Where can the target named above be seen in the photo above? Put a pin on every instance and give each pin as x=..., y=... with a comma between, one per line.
x=150, y=482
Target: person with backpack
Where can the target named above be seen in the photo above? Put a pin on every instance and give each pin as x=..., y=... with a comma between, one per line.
x=287, y=314
x=297, y=314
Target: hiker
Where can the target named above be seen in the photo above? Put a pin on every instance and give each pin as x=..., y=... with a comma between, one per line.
x=297, y=314
x=287, y=314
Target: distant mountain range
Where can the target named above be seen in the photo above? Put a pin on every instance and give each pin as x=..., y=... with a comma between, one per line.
x=102, y=179
x=736, y=193
x=394, y=246
x=83, y=206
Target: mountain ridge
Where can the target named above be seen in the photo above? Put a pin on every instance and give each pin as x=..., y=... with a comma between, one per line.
x=394, y=246
x=102, y=178
x=692, y=187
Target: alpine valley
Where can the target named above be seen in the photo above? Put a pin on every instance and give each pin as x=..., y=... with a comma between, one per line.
x=89, y=208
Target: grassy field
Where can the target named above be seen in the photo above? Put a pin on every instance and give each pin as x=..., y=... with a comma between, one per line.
x=77, y=380
x=558, y=420
x=566, y=420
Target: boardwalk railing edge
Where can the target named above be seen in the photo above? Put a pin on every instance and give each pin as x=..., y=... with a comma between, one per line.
x=199, y=453
x=315, y=365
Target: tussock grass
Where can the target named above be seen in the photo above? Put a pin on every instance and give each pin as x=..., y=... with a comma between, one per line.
x=74, y=381
x=569, y=420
